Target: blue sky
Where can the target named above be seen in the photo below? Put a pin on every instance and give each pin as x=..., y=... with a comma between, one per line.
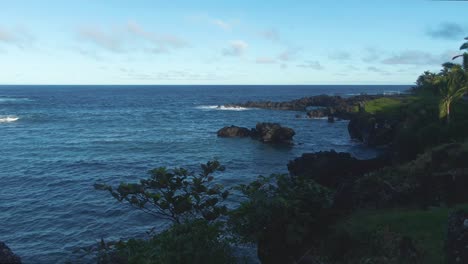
x=220, y=42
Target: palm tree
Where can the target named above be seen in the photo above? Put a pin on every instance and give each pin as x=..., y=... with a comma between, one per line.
x=464, y=46
x=454, y=86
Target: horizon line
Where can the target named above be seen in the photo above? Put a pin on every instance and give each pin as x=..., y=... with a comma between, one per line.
x=204, y=84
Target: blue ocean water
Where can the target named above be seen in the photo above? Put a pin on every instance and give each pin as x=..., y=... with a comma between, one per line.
x=57, y=141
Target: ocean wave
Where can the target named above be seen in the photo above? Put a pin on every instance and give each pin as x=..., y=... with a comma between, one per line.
x=8, y=119
x=223, y=108
x=13, y=99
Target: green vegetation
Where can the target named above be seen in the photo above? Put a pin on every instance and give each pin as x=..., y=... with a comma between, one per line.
x=464, y=46
x=192, y=202
x=175, y=195
x=282, y=215
x=395, y=214
x=384, y=105
x=190, y=242
x=372, y=232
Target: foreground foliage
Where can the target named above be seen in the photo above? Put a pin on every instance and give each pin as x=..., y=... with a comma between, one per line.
x=192, y=202
x=176, y=195
x=195, y=242
x=285, y=216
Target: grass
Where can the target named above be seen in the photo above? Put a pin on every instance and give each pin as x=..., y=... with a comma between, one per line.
x=383, y=104
x=427, y=228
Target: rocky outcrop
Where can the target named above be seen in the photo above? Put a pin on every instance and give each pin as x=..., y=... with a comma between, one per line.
x=234, y=131
x=339, y=107
x=330, y=168
x=372, y=130
x=457, y=238
x=272, y=133
x=7, y=256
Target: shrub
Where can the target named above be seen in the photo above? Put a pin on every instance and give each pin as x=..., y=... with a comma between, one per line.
x=195, y=241
x=176, y=195
x=283, y=215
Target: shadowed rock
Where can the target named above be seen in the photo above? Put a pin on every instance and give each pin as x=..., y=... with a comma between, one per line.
x=234, y=131
x=273, y=133
x=457, y=237
x=7, y=256
x=330, y=168
x=372, y=130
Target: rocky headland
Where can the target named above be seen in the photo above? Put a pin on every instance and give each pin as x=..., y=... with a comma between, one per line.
x=371, y=129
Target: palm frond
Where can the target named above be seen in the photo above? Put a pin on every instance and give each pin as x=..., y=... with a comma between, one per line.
x=464, y=46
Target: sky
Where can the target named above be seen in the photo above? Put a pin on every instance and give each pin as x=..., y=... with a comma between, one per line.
x=227, y=42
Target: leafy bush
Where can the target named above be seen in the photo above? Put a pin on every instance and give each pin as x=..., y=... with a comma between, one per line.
x=390, y=236
x=197, y=242
x=176, y=195
x=283, y=215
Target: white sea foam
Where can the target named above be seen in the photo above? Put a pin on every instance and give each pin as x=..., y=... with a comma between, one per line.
x=13, y=100
x=8, y=119
x=223, y=108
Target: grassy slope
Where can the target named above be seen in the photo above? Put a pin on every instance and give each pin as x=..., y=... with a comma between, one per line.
x=426, y=227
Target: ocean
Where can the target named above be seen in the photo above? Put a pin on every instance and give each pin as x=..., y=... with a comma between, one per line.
x=57, y=141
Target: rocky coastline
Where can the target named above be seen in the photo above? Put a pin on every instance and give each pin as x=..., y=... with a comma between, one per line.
x=324, y=105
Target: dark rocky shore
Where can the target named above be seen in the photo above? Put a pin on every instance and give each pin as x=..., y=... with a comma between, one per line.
x=372, y=130
x=326, y=105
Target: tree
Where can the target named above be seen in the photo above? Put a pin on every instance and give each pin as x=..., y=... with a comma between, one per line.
x=176, y=194
x=464, y=46
x=454, y=86
x=426, y=82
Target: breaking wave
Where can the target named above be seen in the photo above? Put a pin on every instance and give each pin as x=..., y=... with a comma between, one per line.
x=8, y=119
x=223, y=108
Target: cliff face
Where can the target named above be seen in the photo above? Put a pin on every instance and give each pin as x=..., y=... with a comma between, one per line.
x=372, y=130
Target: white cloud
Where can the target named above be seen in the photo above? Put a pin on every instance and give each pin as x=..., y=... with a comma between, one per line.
x=416, y=57
x=236, y=48
x=117, y=40
x=221, y=24
x=340, y=55
x=288, y=55
x=315, y=65
x=161, y=42
x=100, y=38
x=447, y=31
x=271, y=34
x=265, y=60
x=19, y=37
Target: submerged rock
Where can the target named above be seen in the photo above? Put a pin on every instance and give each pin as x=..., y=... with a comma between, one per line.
x=234, y=131
x=273, y=133
x=7, y=256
